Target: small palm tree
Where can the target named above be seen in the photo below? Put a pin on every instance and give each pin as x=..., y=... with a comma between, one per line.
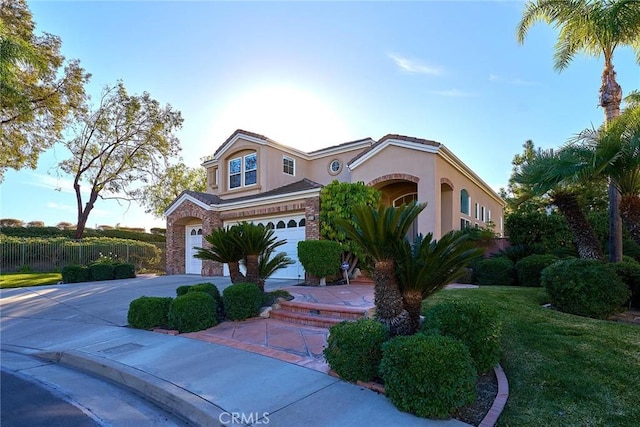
x=254, y=240
x=380, y=232
x=268, y=264
x=427, y=265
x=224, y=250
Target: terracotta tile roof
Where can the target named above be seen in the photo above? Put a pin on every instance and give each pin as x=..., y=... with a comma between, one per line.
x=209, y=199
x=302, y=185
x=244, y=132
x=395, y=136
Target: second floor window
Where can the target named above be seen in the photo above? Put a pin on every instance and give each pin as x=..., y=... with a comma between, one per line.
x=288, y=165
x=243, y=171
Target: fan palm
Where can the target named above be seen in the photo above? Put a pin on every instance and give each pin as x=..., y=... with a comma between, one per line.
x=594, y=27
x=268, y=264
x=380, y=232
x=223, y=250
x=428, y=265
x=255, y=240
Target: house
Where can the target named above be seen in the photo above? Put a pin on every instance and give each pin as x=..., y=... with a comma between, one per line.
x=253, y=178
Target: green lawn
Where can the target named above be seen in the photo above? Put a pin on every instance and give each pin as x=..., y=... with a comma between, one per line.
x=563, y=370
x=18, y=280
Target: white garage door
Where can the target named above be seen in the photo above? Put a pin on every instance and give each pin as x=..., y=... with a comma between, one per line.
x=290, y=229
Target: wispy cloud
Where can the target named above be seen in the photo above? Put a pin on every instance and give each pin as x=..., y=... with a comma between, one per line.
x=454, y=93
x=414, y=66
x=51, y=183
x=512, y=81
x=60, y=207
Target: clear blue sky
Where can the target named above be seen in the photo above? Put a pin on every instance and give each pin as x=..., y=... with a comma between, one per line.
x=315, y=74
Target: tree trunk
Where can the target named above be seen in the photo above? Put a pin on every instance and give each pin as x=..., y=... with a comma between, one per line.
x=234, y=272
x=252, y=269
x=83, y=214
x=413, y=304
x=388, y=299
x=583, y=236
x=610, y=99
x=630, y=213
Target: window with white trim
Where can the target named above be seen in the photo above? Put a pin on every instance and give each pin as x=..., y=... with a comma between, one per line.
x=464, y=223
x=465, y=202
x=483, y=213
x=288, y=165
x=477, y=211
x=243, y=171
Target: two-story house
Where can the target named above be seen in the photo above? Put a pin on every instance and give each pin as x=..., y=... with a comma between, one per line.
x=253, y=178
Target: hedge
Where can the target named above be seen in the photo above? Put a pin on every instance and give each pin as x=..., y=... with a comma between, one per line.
x=321, y=258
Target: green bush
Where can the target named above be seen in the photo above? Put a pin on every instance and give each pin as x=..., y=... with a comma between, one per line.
x=124, y=271
x=354, y=349
x=474, y=324
x=149, y=312
x=101, y=272
x=495, y=271
x=584, y=287
x=428, y=375
x=530, y=268
x=629, y=273
x=182, y=290
x=192, y=312
x=320, y=258
x=211, y=289
x=241, y=301
x=75, y=274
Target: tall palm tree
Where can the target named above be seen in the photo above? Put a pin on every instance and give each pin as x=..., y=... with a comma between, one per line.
x=594, y=27
x=427, y=265
x=255, y=240
x=559, y=175
x=224, y=250
x=380, y=232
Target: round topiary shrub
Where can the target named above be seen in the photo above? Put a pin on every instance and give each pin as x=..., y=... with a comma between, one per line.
x=584, y=287
x=495, y=271
x=354, y=349
x=629, y=273
x=241, y=301
x=182, y=290
x=529, y=268
x=430, y=376
x=149, y=312
x=473, y=323
x=101, y=271
x=124, y=271
x=211, y=289
x=75, y=274
x=192, y=312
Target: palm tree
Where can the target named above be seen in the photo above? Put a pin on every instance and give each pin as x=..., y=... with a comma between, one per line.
x=380, y=232
x=559, y=174
x=594, y=27
x=224, y=250
x=427, y=265
x=255, y=240
x=268, y=264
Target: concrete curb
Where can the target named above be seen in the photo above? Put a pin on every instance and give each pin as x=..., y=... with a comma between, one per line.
x=177, y=400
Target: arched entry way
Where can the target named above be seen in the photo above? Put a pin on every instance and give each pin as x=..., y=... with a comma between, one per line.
x=396, y=190
x=446, y=206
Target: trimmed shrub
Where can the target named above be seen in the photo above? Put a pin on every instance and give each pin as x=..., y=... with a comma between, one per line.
x=211, y=289
x=354, y=349
x=75, y=274
x=241, y=301
x=320, y=258
x=182, y=290
x=474, y=324
x=495, y=271
x=430, y=376
x=124, y=271
x=530, y=268
x=584, y=287
x=101, y=272
x=149, y=312
x=629, y=273
x=192, y=312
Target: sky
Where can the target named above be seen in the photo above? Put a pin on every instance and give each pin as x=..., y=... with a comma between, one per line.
x=315, y=74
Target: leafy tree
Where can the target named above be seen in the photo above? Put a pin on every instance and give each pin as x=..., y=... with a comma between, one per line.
x=11, y=222
x=337, y=201
x=594, y=27
x=64, y=225
x=157, y=197
x=39, y=90
x=125, y=140
x=379, y=232
x=35, y=224
x=514, y=192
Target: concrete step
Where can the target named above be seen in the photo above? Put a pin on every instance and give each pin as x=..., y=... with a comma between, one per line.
x=316, y=314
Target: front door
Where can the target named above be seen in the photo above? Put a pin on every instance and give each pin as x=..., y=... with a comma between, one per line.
x=193, y=238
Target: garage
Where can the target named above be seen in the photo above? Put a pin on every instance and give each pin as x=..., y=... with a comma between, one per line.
x=291, y=229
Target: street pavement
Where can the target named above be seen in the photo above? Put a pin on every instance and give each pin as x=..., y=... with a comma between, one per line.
x=82, y=330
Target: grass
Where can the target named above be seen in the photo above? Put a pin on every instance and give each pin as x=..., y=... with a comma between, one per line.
x=563, y=370
x=19, y=280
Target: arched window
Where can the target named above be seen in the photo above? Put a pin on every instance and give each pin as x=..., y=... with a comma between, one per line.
x=193, y=232
x=280, y=224
x=302, y=223
x=465, y=202
x=270, y=225
x=407, y=198
x=199, y=231
x=292, y=223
